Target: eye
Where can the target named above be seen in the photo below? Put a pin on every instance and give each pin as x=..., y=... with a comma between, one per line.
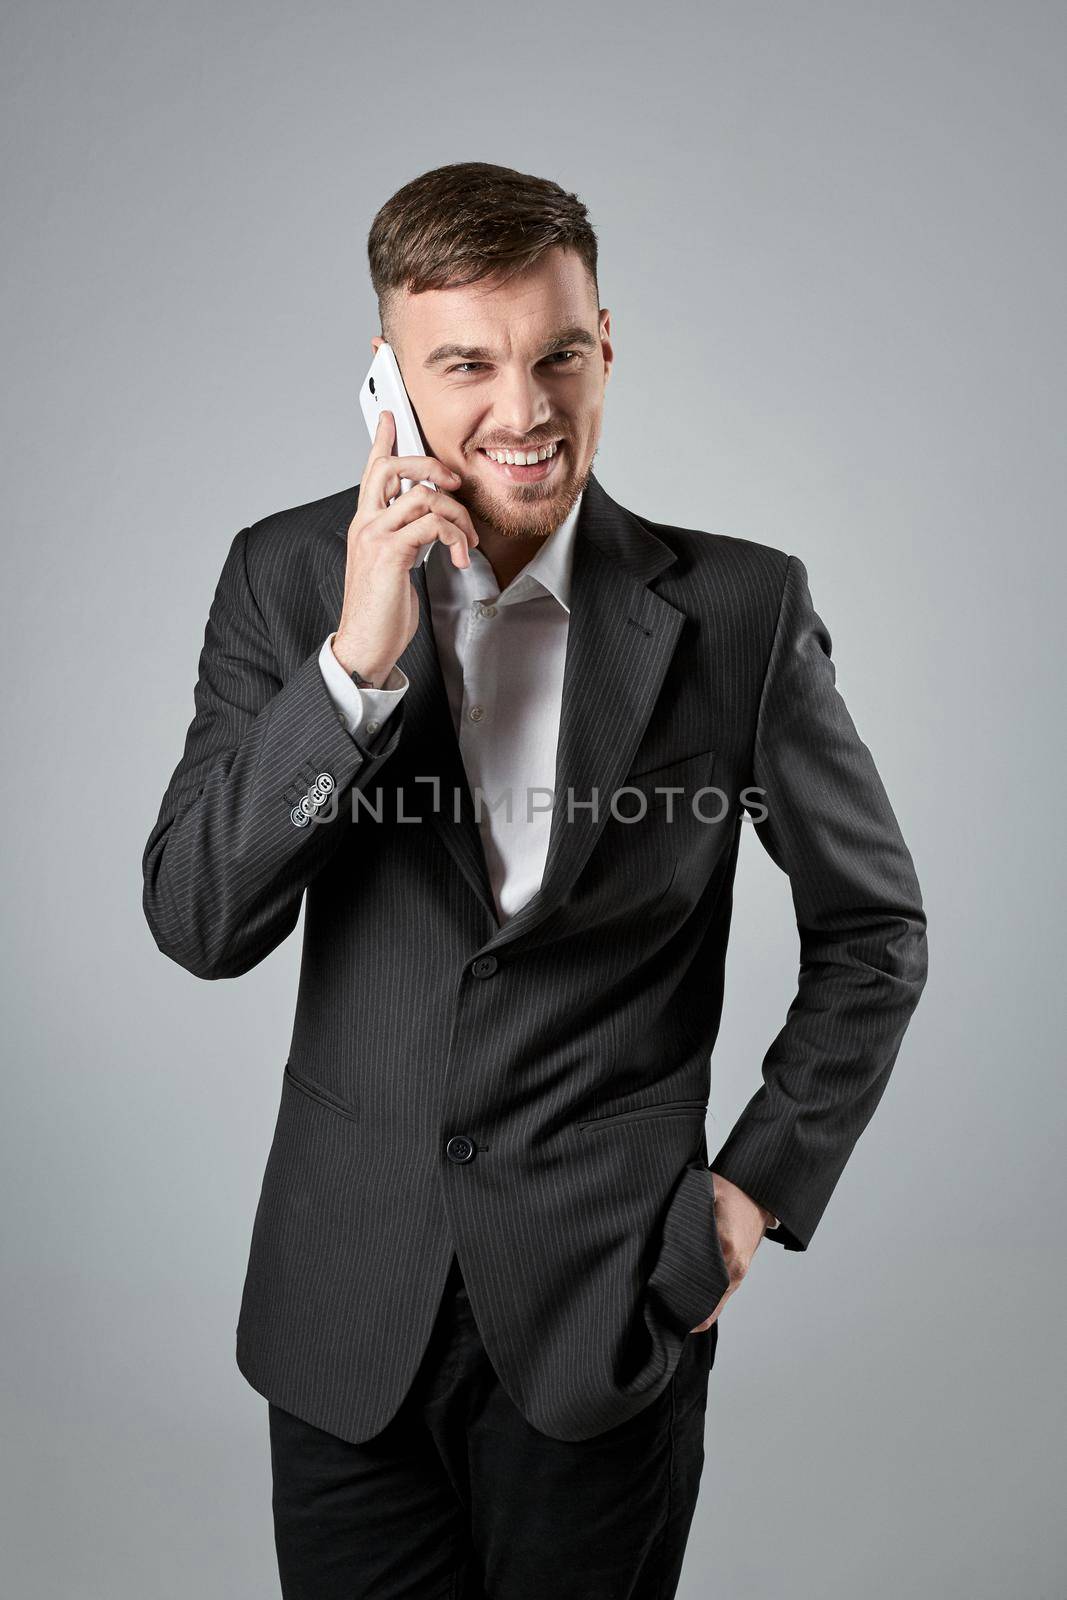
x=470, y=366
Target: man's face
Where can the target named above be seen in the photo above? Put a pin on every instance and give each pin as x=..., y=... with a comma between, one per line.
x=525, y=365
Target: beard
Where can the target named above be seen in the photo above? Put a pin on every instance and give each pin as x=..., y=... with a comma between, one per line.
x=524, y=510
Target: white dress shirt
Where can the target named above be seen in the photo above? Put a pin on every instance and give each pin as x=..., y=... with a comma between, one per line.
x=502, y=655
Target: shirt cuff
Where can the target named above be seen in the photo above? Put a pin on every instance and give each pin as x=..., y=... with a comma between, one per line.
x=363, y=711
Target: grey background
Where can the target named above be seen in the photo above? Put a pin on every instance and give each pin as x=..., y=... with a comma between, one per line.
x=830, y=242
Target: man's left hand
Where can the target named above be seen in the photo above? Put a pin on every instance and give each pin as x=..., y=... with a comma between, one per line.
x=740, y=1222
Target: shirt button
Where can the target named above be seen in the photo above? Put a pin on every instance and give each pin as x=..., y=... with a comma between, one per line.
x=476, y=713
x=459, y=1148
x=489, y=611
x=485, y=966
x=372, y=727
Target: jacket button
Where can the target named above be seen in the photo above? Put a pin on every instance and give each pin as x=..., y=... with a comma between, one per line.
x=459, y=1148
x=484, y=967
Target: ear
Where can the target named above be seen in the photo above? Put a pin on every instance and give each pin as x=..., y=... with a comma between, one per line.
x=376, y=343
x=605, y=341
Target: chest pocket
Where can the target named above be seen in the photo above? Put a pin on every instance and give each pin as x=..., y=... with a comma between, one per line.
x=688, y=775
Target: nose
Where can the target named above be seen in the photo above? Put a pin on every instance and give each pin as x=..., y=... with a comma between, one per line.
x=520, y=405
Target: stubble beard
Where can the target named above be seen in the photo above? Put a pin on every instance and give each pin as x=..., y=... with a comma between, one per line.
x=523, y=511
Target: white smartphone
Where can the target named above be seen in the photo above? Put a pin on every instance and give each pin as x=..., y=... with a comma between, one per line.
x=383, y=390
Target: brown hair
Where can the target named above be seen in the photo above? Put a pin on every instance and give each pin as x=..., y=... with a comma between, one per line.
x=470, y=221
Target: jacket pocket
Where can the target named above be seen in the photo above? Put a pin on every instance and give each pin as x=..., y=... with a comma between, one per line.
x=321, y=1096
x=665, y=1108
x=688, y=775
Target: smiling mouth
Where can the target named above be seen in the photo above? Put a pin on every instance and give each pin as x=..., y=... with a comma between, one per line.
x=535, y=473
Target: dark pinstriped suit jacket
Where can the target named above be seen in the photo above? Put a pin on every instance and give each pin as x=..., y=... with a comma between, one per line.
x=530, y=1096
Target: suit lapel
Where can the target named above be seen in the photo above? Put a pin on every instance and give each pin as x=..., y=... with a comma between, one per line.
x=621, y=638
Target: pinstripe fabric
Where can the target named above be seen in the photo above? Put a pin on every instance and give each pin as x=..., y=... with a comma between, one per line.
x=576, y=1058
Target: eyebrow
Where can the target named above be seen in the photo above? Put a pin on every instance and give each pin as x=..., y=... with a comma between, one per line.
x=466, y=352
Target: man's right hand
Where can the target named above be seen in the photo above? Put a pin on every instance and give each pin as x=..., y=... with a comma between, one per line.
x=380, y=614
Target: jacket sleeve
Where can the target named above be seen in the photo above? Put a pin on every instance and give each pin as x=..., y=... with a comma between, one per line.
x=258, y=802
x=826, y=821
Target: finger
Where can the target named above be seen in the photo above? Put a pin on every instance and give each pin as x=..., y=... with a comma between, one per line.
x=441, y=528
x=412, y=535
x=385, y=472
x=384, y=436
x=421, y=502
x=380, y=450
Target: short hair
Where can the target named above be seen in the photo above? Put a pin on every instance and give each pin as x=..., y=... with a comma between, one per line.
x=467, y=222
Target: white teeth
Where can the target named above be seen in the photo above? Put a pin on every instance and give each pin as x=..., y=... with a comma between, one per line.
x=521, y=458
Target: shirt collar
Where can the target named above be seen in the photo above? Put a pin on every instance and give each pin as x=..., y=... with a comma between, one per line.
x=549, y=570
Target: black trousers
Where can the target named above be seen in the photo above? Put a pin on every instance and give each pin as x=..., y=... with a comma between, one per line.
x=459, y=1498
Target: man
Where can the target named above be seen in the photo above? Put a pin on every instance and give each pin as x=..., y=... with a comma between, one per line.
x=490, y=1255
